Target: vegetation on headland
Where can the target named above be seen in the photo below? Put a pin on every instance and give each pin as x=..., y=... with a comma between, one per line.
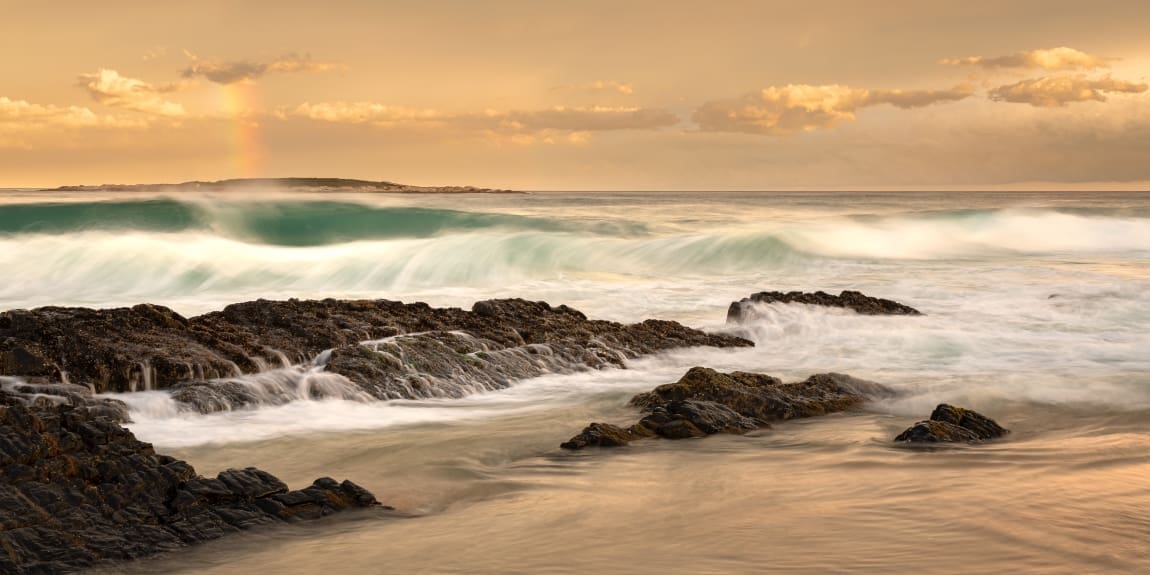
x=286, y=184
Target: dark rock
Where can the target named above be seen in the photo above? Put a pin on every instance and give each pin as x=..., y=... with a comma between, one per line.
x=704, y=402
x=415, y=351
x=78, y=490
x=949, y=424
x=52, y=394
x=743, y=309
x=686, y=417
x=600, y=435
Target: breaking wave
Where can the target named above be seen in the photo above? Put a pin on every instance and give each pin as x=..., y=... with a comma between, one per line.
x=279, y=222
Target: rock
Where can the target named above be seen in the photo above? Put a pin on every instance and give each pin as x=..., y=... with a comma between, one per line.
x=704, y=402
x=123, y=349
x=78, y=490
x=51, y=394
x=680, y=419
x=949, y=424
x=413, y=350
x=743, y=309
x=600, y=435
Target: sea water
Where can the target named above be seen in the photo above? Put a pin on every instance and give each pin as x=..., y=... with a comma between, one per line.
x=1037, y=309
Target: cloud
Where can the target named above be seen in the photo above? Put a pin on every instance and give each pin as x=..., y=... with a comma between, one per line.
x=797, y=108
x=230, y=72
x=361, y=113
x=108, y=87
x=562, y=119
x=1058, y=91
x=25, y=115
x=600, y=86
x=593, y=119
x=908, y=99
x=26, y=125
x=1060, y=58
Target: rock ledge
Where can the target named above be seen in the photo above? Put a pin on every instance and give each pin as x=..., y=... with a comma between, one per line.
x=853, y=300
x=78, y=490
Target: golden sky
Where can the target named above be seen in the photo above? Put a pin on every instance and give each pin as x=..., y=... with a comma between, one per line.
x=579, y=95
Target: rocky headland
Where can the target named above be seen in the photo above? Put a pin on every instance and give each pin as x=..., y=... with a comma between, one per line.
x=247, y=185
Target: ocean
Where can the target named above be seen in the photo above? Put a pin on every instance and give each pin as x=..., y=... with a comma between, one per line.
x=1036, y=313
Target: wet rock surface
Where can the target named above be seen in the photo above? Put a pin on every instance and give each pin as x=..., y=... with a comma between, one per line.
x=78, y=397
x=743, y=309
x=77, y=490
x=416, y=351
x=949, y=424
x=704, y=402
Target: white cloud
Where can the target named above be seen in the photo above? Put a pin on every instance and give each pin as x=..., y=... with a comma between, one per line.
x=22, y=114
x=361, y=113
x=108, y=87
x=26, y=125
x=797, y=108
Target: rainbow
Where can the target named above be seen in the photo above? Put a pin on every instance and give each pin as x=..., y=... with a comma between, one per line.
x=242, y=103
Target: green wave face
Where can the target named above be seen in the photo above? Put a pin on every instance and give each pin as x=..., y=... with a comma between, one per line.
x=282, y=223
x=63, y=218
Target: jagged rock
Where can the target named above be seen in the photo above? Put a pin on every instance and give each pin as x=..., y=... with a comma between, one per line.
x=418, y=351
x=743, y=309
x=949, y=424
x=705, y=402
x=77, y=490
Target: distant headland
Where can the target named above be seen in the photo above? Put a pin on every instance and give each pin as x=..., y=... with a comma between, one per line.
x=287, y=184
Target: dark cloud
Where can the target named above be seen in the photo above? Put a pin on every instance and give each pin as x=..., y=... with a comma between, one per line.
x=230, y=72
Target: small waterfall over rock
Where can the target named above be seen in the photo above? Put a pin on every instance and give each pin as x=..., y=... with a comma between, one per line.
x=272, y=387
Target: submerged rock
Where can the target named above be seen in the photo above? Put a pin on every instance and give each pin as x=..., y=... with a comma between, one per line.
x=412, y=350
x=77, y=490
x=863, y=304
x=949, y=424
x=705, y=402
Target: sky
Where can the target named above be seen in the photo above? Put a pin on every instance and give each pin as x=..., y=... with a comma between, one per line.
x=590, y=95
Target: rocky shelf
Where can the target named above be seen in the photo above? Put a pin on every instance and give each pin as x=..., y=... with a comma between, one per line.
x=78, y=490
x=385, y=349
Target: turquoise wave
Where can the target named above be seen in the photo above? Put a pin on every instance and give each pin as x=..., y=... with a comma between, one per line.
x=282, y=223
